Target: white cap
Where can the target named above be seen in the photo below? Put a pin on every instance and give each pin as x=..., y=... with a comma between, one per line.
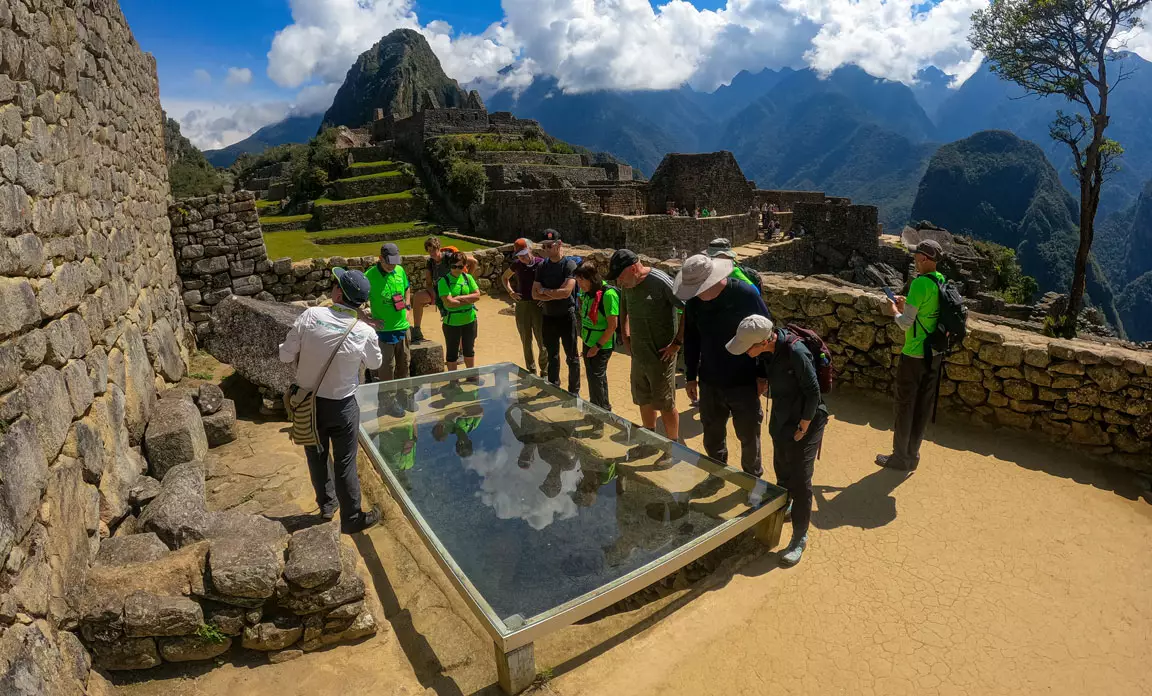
x=524, y=252
x=752, y=330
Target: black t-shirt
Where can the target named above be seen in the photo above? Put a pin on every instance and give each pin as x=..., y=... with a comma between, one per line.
x=552, y=275
x=438, y=271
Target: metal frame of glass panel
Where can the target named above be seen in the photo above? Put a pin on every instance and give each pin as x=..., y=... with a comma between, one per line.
x=508, y=638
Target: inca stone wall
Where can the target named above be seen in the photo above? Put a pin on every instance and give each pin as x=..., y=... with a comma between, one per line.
x=666, y=236
x=219, y=250
x=485, y=157
x=92, y=319
x=336, y=216
x=541, y=176
x=1093, y=397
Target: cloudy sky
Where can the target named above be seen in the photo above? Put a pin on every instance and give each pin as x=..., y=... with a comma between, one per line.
x=228, y=68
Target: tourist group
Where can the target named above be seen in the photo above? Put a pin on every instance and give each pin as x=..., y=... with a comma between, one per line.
x=713, y=311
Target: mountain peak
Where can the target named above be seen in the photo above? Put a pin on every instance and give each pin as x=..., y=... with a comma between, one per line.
x=399, y=74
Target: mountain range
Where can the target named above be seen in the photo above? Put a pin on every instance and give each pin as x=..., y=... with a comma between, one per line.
x=294, y=129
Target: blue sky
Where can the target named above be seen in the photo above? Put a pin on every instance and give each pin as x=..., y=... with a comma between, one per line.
x=228, y=68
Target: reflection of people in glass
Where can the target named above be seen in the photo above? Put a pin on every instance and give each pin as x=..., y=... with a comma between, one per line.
x=559, y=458
x=461, y=426
x=397, y=444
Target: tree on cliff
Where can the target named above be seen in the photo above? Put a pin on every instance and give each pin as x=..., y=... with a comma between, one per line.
x=1065, y=47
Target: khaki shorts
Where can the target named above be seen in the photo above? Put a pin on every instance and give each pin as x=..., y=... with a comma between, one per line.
x=654, y=384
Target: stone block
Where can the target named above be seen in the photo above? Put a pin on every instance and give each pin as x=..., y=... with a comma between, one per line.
x=1088, y=433
x=314, y=557
x=140, y=383
x=860, y=336
x=220, y=427
x=1013, y=419
x=49, y=406
x=1110, y=377
x=24, y=473
x=963, y=373
x=85, y=445
x=972, y=393
x=136, y=548
x=1088, y=395
x=70, y=512
x=125, y=654
x=39, y=661
x=164, y=351
x=275, y=634
x=146, y=614
x=1019, y=390
x=247, y=334
x=427, y=358
x=350, y=588
x=179, y=514
x=144, y=492
x=242, y=567
x=175, y=435
x=209, y=398
x=79, y=387
x=192, y=648
x=1002, y=355
x=1037, y=376
x=211, y=266
x=1067, y=368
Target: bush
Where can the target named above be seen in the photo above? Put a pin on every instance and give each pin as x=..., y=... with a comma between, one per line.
x=188, y=180
x=467, y=182
x=562, y=148
x=1009, y=281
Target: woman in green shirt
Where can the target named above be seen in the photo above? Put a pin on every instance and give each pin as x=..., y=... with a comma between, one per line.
x=599, y=314
x=459, y=293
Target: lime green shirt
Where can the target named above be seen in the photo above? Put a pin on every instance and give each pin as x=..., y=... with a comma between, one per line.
x=466, y=424
x=384, y=287
x=924, y=295
x=452, y=286
x=393, y=442
x=592, y=331
x=740, y=275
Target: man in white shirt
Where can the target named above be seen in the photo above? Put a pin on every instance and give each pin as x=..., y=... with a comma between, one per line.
x=316, y=333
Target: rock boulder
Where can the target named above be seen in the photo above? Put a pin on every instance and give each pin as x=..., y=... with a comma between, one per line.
x=243, y=567
x=209, y=398
x=247, y=334
x=192, y=648
x=220, y=426
x=175, y=435
x=314, y=557
x=136, y=548
x=179, y=514
x=146, y=614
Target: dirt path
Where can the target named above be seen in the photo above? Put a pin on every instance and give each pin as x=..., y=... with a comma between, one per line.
x=1000, y=567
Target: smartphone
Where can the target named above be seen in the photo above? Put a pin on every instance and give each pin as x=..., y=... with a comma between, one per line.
x=891, y=295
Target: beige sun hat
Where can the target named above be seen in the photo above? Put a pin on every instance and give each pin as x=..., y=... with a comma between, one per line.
x=698, y=274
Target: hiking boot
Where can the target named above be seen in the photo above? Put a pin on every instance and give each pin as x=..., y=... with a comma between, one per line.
x=417, y=334
x=365, y=520
x=889, y=461
x=327, y=515
x=791, y=555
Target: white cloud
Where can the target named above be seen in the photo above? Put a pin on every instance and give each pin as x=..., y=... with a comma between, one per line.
x=213, y=125
x=239, y=76
x=202, y=76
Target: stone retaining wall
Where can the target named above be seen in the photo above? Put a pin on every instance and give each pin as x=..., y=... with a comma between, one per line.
x=376, y=153
x=540, y=176
x=666, y=236
x=1093, y=397
x=335, y=216
x=379, y=236
x=525, y=158
x=91, y=322
x=285, y=226
x=373, y=187
x=220, y=251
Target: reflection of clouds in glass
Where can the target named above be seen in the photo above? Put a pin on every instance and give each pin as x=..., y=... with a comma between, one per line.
x=515, y=492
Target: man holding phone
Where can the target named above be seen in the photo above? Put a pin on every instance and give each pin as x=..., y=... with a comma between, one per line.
x=389, y=302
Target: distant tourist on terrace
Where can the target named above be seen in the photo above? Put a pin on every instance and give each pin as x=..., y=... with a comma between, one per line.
x=388, y=303
x=529, y=316
x=599, y=317
x=727, y=386
x=331, y=348
x=555, y=289
x=653, y=331
x=459, y=293
x=435, y=269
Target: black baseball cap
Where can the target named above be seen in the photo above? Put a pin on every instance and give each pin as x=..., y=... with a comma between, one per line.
x=930, y=248
x=391, y=254
x=622, y=259
x=549, y=236
x=354, y=285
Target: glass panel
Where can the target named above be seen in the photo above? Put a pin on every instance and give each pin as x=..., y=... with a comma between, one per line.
x=537, y=496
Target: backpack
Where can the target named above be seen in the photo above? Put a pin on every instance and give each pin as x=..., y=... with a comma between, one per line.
x=821, y=356
x=952, y=322
x=753, y=275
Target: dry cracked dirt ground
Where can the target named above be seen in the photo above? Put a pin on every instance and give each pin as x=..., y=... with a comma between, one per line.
x=1002, y=566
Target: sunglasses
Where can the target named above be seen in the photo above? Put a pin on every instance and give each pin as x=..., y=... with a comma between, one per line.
x=458, y=265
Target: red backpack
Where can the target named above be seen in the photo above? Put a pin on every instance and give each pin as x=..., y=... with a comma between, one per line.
x=821, y=356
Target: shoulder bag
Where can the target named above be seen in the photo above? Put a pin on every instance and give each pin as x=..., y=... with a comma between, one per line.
x=300, y=403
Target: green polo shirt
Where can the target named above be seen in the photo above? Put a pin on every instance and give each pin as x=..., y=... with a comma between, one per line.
x=591, y=331
x=924, y=295
x=453, y=286
x=393, y=441
x=740, y=275
x=466, y=424
x=384, y=287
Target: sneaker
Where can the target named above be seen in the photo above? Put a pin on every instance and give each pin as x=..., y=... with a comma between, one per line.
x=417, y=334
x=791, y=555
x=366, y=521
x=327, y=515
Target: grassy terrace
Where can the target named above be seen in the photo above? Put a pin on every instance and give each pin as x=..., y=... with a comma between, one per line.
x=263, y=203
x=366, y=199
x=300, y=245
x=365, y=165
x=365, y=177
x=274, y=219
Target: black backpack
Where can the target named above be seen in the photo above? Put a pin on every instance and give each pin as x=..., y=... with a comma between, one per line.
x=952, y=323
x=821, y=356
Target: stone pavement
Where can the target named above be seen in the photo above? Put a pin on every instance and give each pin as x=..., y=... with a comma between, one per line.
x=1000, y=567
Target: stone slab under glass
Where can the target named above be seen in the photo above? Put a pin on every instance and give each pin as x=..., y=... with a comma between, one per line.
x=537, y=501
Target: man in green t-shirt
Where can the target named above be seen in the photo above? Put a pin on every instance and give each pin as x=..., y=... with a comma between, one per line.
x=389, y=303
x=919, y=370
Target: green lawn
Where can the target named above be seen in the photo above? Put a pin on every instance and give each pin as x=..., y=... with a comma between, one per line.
x=365, y=177
x=365, y=165
x=273, y=219
x=300, y=245
x=266, y=204
x=366, y=199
